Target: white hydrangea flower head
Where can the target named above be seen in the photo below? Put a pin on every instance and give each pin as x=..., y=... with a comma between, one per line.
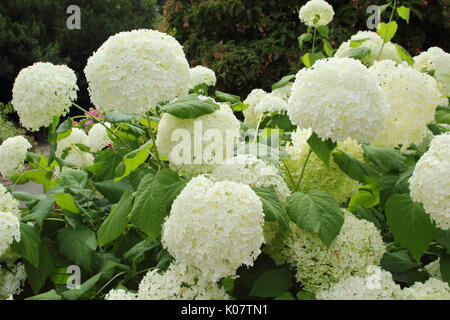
x=13, y=152
x=338, y=98
x=412, y=97
x=75, y=156
x=358, y=245
x=251, y=117
x=179, y=282
x=197, y=146
x=43, y=91
x=120, y=294
x=201, y=74
x=215, y=226
x=316, y=13
x=373, y=42
x=97, y=137
x=434, y=269
x=8, y=203
x=430, y=181
x=9, y=230
x=248, y=169
x=133, y=71
x=316, y=174
x=283, y=92
x=437, y=60
x=432, y=289
x=11, y=281
x=271, y=103
x=376, y=284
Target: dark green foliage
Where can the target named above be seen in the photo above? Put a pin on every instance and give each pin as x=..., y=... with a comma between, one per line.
x=253, y=43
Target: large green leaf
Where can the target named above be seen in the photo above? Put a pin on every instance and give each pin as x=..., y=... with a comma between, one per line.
x=38, y=276
x=41, y=210
x=354, y=168
x=190, y=107
x=322, y=148
x=50, y=295
x=271, y=283
x=154, y=198
x=74, y=294
x=66, y=202
x=78, y=244
x=28, y=247
x=273, y=209
x=113, y=191
x=285, y=80
x=400, y=261
x=411, y=226
x=316, y=211
x=368, y=196
x=385, y=160
x=116, y=222
x=444, y=267
x=226, y=97
x=387, y=30
x=443, y=237
x=106, y=162
x=134, y=159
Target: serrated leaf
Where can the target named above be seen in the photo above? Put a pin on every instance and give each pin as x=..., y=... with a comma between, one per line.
x=354, y=168
x=132, y=160
x=273, y=209
x=316, y=211
x=41, y=210
x=322, y=148
x=116, y=222
x=105, y=163
x=385, y=160
x=190, y=107
x=411, y=226
x=28, y=247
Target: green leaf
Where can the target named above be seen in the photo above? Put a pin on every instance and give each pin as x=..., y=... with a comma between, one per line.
x=271, y=283
x=38, y=276
x=39, y=176
x=442, y=115
x=370, y=214
x=74, y=294
x=28, y=247
x=41, y=210
x=73, y=179
x=284, y=81
x=443, y=237
x=355, y=168
x=306, y=37
x=113, y=191
x=316, y=211
x=404, y=13
x=324, y=31
x=273, y=209
x=305, y=295
x=154, y=198
x=64, y=130
x=385, y=160
x=359, y=53
x=400, y=261
x=50, y=295
x=78, y=244
x=116, y=222
x=327, y=48
x=444, y=267
x=66, y=202
x=136, y=254
x=368, y=196
x=106, y=162
x=404, y=54
x=115, y=117
x=190, y=107
x=52, y=138
x=357, y=42
x=411, y=226
x=226, y=97
x=322, y=148
x=387, y=30
x=134, y=159
x=307, y=61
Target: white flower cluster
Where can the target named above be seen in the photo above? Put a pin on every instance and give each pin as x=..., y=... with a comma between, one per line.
x=75, y=155
x=253, y=99
x=134, y=71
x=97, y=137
x=432, y=289
x=376, y=284
x=283, y=92
x=8, y=203
x=412, y=97
x=437, y=60
x=430, y=181
x=120, y=294
x=358, y=245
x=179, y=282
x=434, y=269
x=12, y=279
x=250, y=170
x=372, y=41
x=316, y=175
x=271, y=103
x=197, y=146
x=215, y=227
x=13, y=152
x=201, y=74
x=9, y=230
x=316, y=13
x=43, y=91
x=338, y=98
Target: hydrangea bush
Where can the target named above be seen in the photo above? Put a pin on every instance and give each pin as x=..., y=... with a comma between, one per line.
x=334, y=186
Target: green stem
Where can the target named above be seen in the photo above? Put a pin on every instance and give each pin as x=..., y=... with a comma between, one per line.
x=303, y=170
x=288, y=172
x=107, y=284
x=152, y=135
x=313, y=40
x=102, y=123
x=387, y=29
x=257, y=128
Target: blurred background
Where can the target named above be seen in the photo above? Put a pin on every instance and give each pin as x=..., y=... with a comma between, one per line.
x=248, y=43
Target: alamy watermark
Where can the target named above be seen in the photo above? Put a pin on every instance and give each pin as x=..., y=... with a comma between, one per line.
x=73, y=22
x=374, y=18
